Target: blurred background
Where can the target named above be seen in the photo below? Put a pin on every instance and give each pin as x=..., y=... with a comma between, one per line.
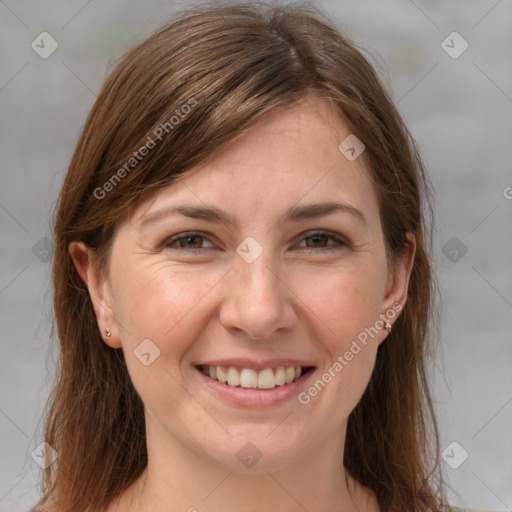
x=448, y=65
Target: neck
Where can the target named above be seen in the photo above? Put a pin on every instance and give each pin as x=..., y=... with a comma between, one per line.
x=180, y=479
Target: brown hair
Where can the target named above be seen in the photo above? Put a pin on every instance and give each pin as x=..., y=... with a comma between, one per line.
x=232, y=64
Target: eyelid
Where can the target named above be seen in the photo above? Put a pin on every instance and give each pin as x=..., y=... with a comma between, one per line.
x=340, y=241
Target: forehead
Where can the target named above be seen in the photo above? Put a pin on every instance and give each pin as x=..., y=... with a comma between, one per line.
x=289, y=158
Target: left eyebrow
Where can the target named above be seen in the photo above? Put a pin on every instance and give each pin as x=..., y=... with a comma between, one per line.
x=294, y=214
x=313, y=210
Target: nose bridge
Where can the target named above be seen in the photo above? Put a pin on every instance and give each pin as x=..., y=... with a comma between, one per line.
x=257, y=302
x=257, y=281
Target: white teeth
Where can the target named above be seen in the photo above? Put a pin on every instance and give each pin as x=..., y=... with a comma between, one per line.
x=233, y=376
x=280, y=376
x=250, y=378
x=221, y=374
x=266, y=379
x=290, y=374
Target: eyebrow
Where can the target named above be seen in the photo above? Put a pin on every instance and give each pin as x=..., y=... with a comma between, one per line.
x=294, y=214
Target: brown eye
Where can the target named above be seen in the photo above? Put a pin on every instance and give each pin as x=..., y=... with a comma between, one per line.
x=186, y=241
x=319, y=240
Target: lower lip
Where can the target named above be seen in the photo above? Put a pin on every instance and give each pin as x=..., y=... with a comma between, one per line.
x=250, y=397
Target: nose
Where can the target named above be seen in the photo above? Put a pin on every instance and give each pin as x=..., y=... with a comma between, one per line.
x=258, y=301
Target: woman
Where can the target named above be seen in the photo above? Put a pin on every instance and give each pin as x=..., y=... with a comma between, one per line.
x=243, y=289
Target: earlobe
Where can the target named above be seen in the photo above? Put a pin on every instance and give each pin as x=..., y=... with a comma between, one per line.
x=99, y=291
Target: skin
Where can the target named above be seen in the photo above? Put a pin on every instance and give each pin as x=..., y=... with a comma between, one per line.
x=297, y=299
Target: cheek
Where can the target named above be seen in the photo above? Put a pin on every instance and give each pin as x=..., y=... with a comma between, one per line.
x=165, y=306
x=347, y=302
x=348, y=305
x=162, y=303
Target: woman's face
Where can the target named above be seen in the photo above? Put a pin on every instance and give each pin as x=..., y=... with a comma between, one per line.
x=239, y=280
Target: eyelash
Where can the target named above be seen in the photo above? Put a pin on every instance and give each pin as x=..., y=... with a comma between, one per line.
x=340, y=244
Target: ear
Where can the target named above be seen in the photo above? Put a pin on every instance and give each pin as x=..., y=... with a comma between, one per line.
x=397, y=285
x=99, y=290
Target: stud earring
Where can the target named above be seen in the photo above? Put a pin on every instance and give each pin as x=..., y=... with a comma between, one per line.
x=108, y=333
x=388, y=326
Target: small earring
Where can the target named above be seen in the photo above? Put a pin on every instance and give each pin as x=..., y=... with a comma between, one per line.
x=388, y=326
x=108, y=333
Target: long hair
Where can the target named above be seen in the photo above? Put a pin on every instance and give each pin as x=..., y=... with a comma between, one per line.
x=186, y=92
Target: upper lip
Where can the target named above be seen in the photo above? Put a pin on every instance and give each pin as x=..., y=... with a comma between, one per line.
x=255, y=365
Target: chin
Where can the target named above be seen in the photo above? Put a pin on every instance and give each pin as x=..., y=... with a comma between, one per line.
x=258, y=450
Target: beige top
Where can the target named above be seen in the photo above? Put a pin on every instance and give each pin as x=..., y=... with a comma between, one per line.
x=457, y=509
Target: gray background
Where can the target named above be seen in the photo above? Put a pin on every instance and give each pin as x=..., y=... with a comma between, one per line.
x=460, y=111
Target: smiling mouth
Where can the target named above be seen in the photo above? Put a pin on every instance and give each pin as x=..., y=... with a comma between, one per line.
x=268, y=378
